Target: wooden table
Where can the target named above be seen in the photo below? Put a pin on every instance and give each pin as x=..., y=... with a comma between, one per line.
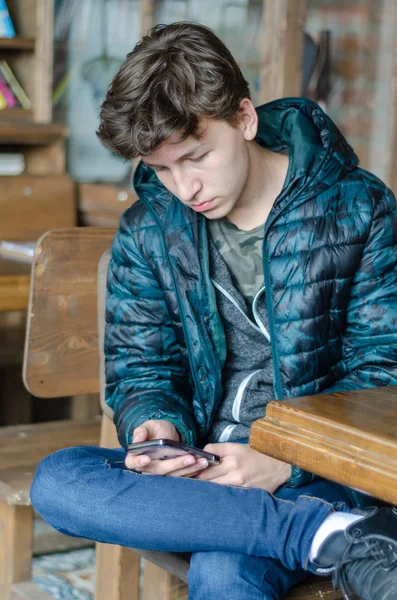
x=348, y=437
x=14, y=285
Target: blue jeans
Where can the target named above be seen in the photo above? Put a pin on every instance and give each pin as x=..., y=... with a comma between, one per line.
x=245, y=542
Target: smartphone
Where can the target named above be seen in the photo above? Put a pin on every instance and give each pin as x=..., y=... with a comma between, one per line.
x=164, y=449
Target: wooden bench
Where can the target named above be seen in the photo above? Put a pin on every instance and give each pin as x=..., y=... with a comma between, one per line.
x=21, y=449
x=62, y=358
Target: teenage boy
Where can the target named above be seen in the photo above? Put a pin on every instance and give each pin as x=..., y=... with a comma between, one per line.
x=259, y=263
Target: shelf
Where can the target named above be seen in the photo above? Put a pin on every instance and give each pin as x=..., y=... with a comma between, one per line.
x=31, y=134
x=15, y=114
x=17, y=43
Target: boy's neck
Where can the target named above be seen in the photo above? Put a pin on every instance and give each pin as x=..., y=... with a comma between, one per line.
x=268, y=171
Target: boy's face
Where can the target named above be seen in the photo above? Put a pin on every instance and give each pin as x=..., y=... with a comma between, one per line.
x=206, y=174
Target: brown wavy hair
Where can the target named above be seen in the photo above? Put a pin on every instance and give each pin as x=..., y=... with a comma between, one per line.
x=175, y=76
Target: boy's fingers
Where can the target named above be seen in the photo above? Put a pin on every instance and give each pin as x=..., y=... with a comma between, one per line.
x=136, y=462
x=192, y=471
x=214, y=472
x=166, y=467
x=159, y=467
x=141, y=434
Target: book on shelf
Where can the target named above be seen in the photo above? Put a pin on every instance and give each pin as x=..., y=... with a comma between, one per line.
x=14, y=85
x=7, y=94
x=6, y=26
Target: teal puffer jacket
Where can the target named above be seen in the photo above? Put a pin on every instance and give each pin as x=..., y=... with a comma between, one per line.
x=330, y=265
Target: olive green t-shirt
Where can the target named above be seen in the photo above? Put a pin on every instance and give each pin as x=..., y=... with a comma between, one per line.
x=242, y=252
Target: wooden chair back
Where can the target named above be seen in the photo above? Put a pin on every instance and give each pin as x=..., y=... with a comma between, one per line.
x=61, y=349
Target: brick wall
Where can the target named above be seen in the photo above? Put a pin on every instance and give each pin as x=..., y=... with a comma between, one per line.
x=362, y=62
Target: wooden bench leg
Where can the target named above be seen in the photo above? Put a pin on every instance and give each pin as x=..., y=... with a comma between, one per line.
x=16, y=533
x=116, y=568
x=116, y=573
x=158, y=584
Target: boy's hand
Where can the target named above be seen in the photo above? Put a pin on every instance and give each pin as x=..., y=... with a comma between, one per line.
x=183, y=466
x=155, y=430
x=243, y=466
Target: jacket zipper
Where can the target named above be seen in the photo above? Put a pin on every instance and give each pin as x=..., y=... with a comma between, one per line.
x=277, y=379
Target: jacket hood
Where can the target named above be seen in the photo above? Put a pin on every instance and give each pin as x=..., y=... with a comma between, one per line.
x=319, y=154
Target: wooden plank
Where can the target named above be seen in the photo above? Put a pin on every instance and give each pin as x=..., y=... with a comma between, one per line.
x=117, y=573
x=84, y=406
x=117, y=569
x=35, y=19
x=46, y=160
x=108, y=434
x=103, y=204
x=27, y=590
x=47, y=540
x=17, y=43
x=15, y=545
x=16, y=114
x=158, y=584
x=14, y=292
x=27, y=133
x=45, y=203
x=350, y=438
x=281, y=69
x=42, y=76
x=146, y=13
x=61, y=353
x=23, y=447
x=314, y=588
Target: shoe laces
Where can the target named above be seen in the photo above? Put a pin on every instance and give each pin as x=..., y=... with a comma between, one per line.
x=382, y=556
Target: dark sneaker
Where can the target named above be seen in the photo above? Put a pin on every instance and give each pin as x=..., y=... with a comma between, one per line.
x=363, y=558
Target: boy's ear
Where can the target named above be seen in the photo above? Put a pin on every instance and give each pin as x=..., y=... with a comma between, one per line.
x=248, y=119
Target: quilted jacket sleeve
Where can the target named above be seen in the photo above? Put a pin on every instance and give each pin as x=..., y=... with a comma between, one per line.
x=146, y=377
x=370, y=340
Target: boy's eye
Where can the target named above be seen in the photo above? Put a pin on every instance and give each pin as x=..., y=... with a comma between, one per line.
x=199, y=157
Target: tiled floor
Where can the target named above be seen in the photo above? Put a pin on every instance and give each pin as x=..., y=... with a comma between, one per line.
x=66, y=575
x=71, y=576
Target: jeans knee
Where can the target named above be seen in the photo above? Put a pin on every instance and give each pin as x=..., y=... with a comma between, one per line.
x=51, y=482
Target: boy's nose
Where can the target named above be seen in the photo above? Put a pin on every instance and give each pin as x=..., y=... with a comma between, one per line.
x=187, y=190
